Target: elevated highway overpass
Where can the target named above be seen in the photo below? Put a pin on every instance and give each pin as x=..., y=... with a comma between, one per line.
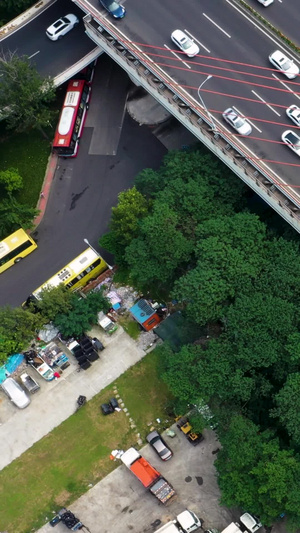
x=234, y=51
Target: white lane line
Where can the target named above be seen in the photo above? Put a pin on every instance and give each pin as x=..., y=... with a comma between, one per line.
x=247, y=119
x=35, y=54
x=219, y=27
x=178, y=57
x=197, y=41
x=286, y=86
x=268, y=105
x=275, y=41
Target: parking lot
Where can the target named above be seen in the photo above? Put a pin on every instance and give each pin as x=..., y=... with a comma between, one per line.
x=120, y=503
x=56, y=400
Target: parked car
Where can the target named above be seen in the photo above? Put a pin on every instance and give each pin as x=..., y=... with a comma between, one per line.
x=250, y=522
x=159, y=445
x=284, y=64
x=114, y=8
x=61, y=27
x=15, y=392
x=97, y=344
x=185, y=44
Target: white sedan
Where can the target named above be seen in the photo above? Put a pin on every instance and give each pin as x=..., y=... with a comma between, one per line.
x=284, y=64
x=266, y=3
x=185, y=44
x=62, y=26
x=293, y=112
x=237, y=122
x=292, y=140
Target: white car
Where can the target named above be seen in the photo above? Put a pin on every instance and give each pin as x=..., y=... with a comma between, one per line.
x=293, y=112
x=284, y=64
x=237, y=122
x=62, y=26
x=185, y=44
x=266, y=3
x=292, y=140
x=15, y=392
x=250, y=522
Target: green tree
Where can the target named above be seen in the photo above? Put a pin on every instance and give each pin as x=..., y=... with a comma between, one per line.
x=255, y=474
x=17, y=328
x=13, y=215
x=82, y=315
x=54, y=301
x=288, y=406
x=11, y=180
x=160, y=249
x=132, y=207
x=24, y=95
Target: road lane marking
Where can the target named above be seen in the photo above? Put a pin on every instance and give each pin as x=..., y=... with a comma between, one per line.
x=286, y=86
x=268, y=105
x=197, y=40
x=247, y=119
x=219, y=27
x=178, y=57
x=277, y=42
x=35, y=54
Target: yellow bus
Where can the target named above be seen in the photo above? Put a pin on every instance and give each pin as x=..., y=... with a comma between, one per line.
x=85, y=267
x=14, y=248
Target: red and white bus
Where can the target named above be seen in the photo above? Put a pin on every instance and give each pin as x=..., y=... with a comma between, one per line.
x=71, y=120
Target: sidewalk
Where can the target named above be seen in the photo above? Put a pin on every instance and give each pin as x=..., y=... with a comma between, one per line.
x=46, y=188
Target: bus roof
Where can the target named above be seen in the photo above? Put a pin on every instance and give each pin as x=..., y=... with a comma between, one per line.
x=73, y=268
x=13, y=241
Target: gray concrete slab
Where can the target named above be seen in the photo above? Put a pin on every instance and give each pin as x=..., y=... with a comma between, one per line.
x=120, y=503
x=56, y=400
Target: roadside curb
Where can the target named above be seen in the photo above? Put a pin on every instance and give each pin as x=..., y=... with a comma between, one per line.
x=22, y=19
x=45, y=192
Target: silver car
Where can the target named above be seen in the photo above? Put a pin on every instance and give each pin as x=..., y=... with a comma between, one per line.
x=250, y=522
x=284, y=64
x=159, y=445
x=15, y=392
x=237, y=122
x=293, y=112
x=292, y=140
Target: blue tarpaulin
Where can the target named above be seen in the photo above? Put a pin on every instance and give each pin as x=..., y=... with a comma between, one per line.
x=11, y=365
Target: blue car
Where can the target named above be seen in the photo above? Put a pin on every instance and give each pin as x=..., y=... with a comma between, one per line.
x=114, y=9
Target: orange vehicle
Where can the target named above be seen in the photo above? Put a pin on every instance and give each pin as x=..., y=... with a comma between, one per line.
x=148, y=476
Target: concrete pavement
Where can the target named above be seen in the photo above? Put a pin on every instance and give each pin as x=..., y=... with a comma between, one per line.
x=25, y=427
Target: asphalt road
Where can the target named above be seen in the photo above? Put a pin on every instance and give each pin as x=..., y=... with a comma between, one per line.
x=86, y=187
x=50, y=57
x=283, y=14
x=235, y=52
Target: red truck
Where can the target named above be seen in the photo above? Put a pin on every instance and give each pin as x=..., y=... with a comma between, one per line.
x=148, y=476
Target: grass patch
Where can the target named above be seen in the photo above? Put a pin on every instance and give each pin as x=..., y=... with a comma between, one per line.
x=58, y=469
x=131, y=327
x=28, y=153
x=144, y=394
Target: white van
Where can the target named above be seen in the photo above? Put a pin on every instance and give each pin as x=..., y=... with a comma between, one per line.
x=15, y=392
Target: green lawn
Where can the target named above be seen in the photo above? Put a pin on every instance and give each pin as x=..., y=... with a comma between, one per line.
x=29, y=153
x=59, y=468
x=131, y=327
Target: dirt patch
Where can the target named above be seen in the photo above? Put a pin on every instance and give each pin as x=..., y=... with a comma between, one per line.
x=62, y=498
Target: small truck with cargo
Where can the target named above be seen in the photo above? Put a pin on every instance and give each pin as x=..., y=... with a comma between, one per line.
x=147, y=475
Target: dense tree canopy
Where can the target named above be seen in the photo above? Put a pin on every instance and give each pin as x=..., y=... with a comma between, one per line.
x=17, y=329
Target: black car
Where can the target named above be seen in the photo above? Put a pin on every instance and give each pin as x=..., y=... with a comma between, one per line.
x=159, y=445
x=114, y=8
